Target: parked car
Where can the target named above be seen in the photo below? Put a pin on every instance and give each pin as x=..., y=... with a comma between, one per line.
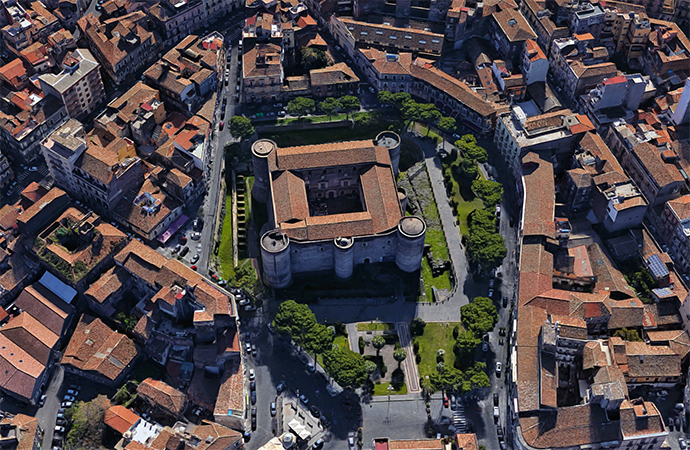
x=222, y=125
x=325, y=422
x=253, y=420
x=42, y=401
x=491, y=293
x=318, y=444
x=485, y=347
x=497, y=412
x=253, y=397
x=252, y=374
x=311, y=368
x=254, y=351
x=492, y=282
x=304, y=399
x=177, y=248
x=273, y=409
x=196, y=236
x=495, y=399
x=315, y=411
x=72, y=392
x=351, y=442
x=244, y=301
x=184, y=251
x=446, y=403
x=68, y=398
x=195, y=258
x=249, y=308
x=59, y=429
x=281, y=387
x=252, y=385
x=498, y=369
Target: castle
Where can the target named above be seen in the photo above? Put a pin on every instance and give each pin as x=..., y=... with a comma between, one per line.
x=332, y=207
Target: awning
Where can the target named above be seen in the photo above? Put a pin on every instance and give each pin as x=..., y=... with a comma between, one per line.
x=172, y=229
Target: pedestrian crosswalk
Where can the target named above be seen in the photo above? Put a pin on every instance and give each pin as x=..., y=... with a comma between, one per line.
x=459, y=420
x=21, y=175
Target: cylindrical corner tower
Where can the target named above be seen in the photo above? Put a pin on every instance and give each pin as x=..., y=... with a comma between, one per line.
x=275, y=253
x=344, y=256
x=260, y=151
x=391, y=141
x=410, y=251
x=402, y=198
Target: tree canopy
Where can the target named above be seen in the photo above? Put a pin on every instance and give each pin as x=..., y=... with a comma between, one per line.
x=486, y=248
x=319, y=339
x=87, y=423
x=490, y=192
x=399, y=354
x=417, y=326
x=300, y=106
x=470, y=149
x=313, y=58
x=295, y=320
x=628, y=335
x=453, y=379
x=378, y=342
x=479, y=316
x=469, y=168
x=349, y=103
x=465, y=345
x=241, y=127
x=346, y=367
x=447, y=124
x=330, y=106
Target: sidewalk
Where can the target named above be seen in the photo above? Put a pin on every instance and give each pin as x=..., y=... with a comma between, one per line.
x=409, y=364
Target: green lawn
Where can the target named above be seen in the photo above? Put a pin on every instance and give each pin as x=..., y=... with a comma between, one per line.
x=382, y=389
x=440, y=282
x=436, y=335
x=342, y=342
x=467, y=202
x=376, y=326
x=313, y=119
x=225, y=247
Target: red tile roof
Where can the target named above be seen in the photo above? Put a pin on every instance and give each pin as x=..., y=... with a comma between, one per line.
x=120, y=418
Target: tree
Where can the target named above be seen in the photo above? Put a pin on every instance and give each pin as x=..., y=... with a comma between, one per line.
x=300, y=106
x=448, y=380
x=295, y=320
x=378, y=342
x=240, y=127
x=482, y=219
x=330, y=106
x=469, y=168
x=410, y=111
x=313, y=58
x=349, y=103
x=400, y=98
x=486, y=248
x=385, y=98
x=479, y=316
x=475, y=377
x=446, y=125
x=417, y=326
x=319, y=339
x=464, y=346
x=370, y=366
x=427, y=386
x=400, y=355
x=470, y=149
x=87, y=423
x=429, y=114
x=345, y=367
x=490, y=192
x=628, y=335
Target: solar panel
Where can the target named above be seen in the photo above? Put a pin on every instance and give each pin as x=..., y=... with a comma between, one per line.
x=657, y=268
x=662, y=292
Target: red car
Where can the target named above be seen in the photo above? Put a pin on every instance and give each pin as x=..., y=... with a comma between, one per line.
x=183, y=239
x=222, y=125
x=193, y=267
x=445, y=401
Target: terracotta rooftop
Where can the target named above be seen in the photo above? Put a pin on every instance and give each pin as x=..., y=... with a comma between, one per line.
x=388, y=64
x=514, y=25
x=415, y=444
x=94, y=347
x=141, y=260
x=162, y=395
x=120, y=418
x=261, y=60
x=107, y=284
x=640, y=418
x=539, y=191
x=37, y=301
x=332, y=75
x=291, y=211
x=31, y=335
x=21, y=371
x=230, y=400
x=132, y=213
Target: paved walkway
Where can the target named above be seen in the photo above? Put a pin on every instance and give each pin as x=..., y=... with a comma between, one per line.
x=453, y=238
x=409, y=365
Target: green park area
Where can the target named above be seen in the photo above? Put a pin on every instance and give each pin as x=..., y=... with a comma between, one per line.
x=437, y=335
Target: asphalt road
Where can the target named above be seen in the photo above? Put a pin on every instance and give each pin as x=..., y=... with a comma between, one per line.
x=215, y=163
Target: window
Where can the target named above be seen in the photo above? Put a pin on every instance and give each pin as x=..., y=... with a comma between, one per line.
x=394, y=37
x=363, y=33
x=408, y=37
x=379, y=32
x=422, y=42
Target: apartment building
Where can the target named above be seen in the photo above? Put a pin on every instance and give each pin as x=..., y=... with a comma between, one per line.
x=649, y=160
x=6, y=172
x=25, y=120
x=509, y=32
x=27, y=26
x=100, y=176
x=539, y=18
x=674, y=226
x=668, y=51
x=598, y=181
x=616, y=98
x=617, y=19
x=525, y=129
x=176, y=19
x=262, y=72
x=333, y=81
x=350, y=33
x=79, y=84
x=534, y=65
x=14, y=75
x=386, y=71
x=189, y=72
x=122, y=45
x=586, y=17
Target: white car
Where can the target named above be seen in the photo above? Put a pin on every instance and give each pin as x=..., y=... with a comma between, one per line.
x=59, y=429
x=68, y=398
x=497, y=412
x=252, y=374
x=196, y=235
x=498, y=369
x=351, y=442
x=66, y=405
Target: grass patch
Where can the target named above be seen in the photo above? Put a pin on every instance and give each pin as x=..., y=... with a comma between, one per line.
x=440, y=282
x=436, y=335
x=312, y=119
x=425, y=131
x=342, y=342
x=375, y=326
x=437, y=240
x=382, y=389
x=466, y=201
x=225, y=247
